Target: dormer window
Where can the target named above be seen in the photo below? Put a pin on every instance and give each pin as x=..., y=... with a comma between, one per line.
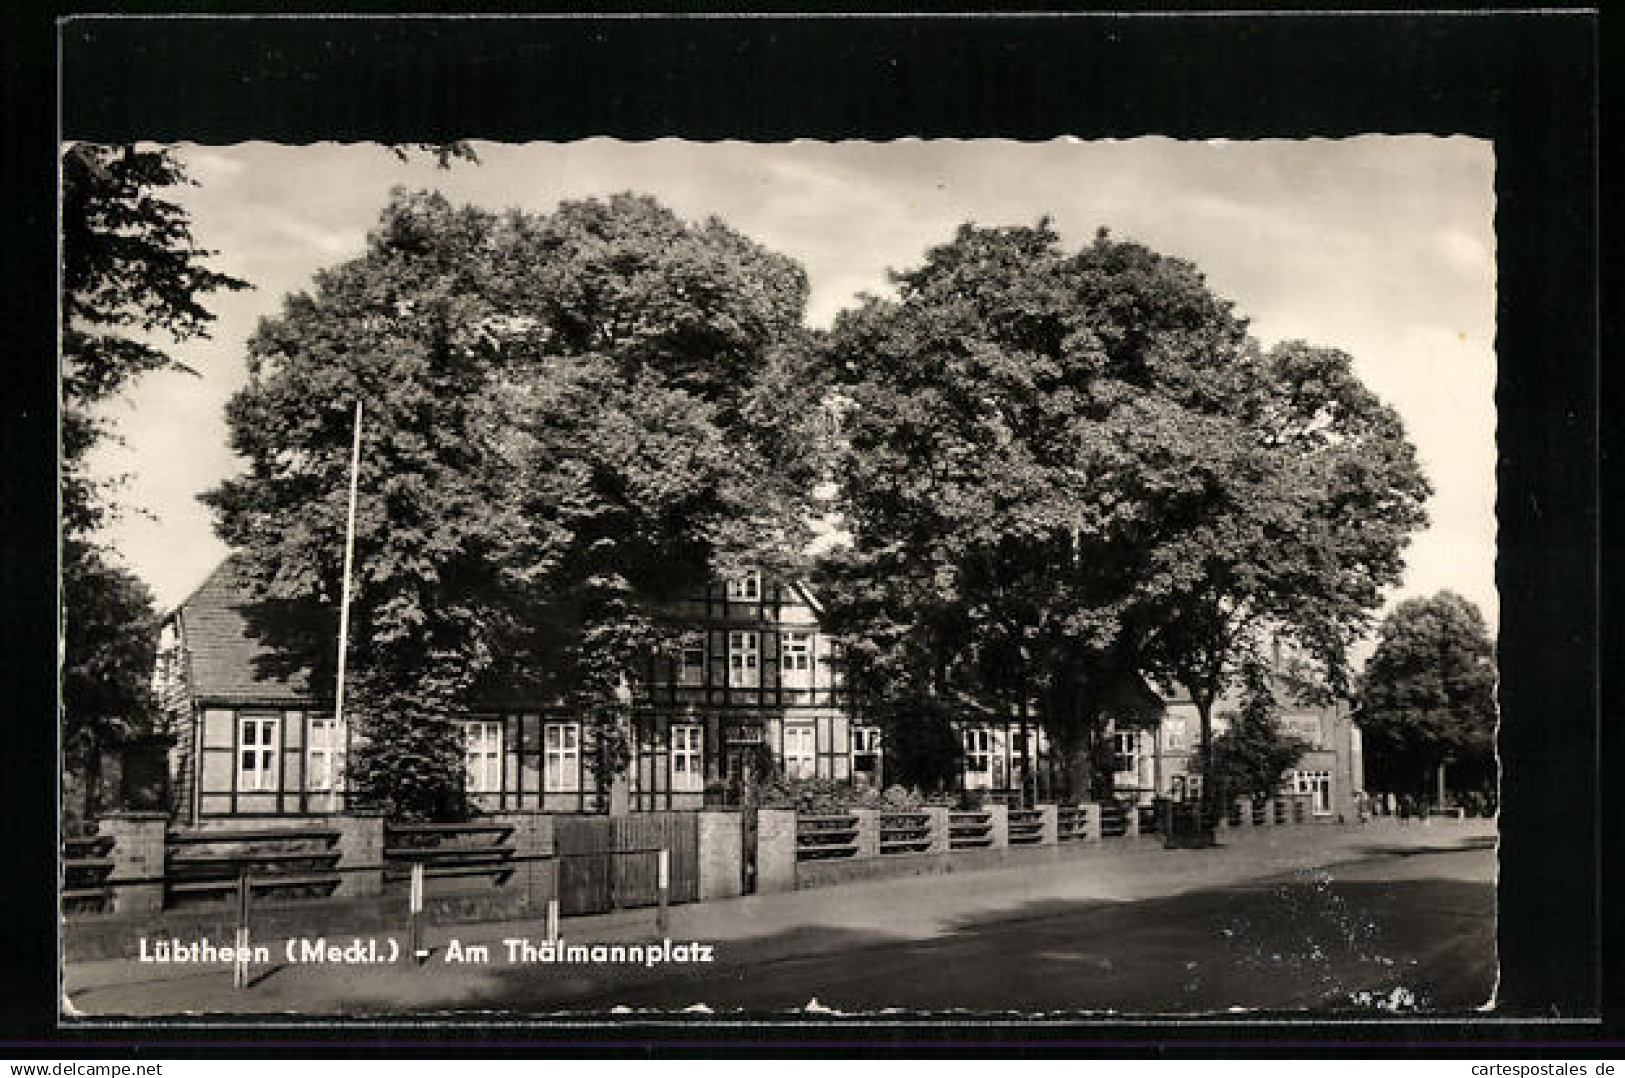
x=747, y=587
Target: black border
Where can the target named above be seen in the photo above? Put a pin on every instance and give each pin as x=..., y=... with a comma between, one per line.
x=1529, y=81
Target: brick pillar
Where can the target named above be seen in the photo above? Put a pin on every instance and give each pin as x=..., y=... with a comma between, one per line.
x=1050, y=827
x=361, y=846
x=775, y=850
x=939, y=828
x=1131, y=821
x=138, y=853
x=1089, y=821
x=999, y=817
x=868, y=832
x=721, y=852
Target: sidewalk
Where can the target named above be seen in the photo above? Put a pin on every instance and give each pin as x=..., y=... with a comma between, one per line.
x=747, y=931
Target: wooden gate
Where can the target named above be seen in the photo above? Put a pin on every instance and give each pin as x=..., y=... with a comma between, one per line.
x=612, y=863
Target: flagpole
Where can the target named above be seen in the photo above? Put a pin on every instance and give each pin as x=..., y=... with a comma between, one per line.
x=349, y=554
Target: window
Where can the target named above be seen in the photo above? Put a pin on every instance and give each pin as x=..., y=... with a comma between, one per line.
x=257, y=741
x=979, y=751
x=797, y=659
x=1318, y=785
x=1173, y=734
x=742, y=669
x=800, y=752
x=747, y=587
x=866, y=755
x=561, y=766
x=324, y=755
x=687, y=759
x=1125, y=750
x=482, y=755
x=691, y=665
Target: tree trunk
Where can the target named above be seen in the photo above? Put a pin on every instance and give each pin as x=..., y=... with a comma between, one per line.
x=1206, y=802
x=1441, y=799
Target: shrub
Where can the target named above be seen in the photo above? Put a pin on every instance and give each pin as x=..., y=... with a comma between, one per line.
x=826, y=795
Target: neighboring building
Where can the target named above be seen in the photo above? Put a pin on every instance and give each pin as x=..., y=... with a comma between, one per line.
x=755, y=671
x=1158, y=762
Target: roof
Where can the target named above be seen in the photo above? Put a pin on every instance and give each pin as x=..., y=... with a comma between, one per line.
x=227, y=663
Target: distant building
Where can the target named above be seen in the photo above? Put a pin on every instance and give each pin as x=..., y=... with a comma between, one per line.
x=1158, y=762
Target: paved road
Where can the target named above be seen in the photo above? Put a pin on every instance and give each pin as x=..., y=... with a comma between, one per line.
x=1364, y=919
x=1416, y=933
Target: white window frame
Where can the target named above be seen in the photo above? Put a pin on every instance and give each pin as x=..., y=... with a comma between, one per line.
x=866, y=745
x=1131, y=756
x=978, y=743
x=325, y=744
x=744, y=659
x=561, y=757
x=747, y=588
x=687, y=758
x=797, y=658
x=691, y=673
x=482, y=755
x=1314, y=783
x=801, y=750
x=265, y=773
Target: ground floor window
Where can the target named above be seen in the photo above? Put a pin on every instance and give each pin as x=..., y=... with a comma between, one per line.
x=687, y=757
x=800, y=751
x=978, y=758
x=1125, y=751
x=482, y=755
x=324, y=755
x=561, y=765
x=866, y=755
x=257, y=741
x=1318, y=785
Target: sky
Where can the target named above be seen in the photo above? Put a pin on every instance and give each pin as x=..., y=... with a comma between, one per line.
x=1382, y=246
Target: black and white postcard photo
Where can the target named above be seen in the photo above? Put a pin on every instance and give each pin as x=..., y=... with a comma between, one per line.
x=809, y=579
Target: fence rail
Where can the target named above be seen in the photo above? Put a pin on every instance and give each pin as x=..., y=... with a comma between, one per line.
x=1026, y=827
x=1113, y=819
x=905, y=832
x=826, y=836
x=486, y=850
x=969, y=830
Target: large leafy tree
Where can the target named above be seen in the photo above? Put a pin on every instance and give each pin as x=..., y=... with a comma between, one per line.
x=133, y=279
x=1253, y=754
x=567, y=416
x=1300, y=500
x=1069, y=470
x=1006, y=467
x=1427, y=696
x=134, y=282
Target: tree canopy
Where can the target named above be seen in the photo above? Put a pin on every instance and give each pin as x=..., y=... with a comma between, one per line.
x=1254, y=753
x=133, y=277
x=1064, y=471
x=567, y=415
x=1427, y=695
x=133, y=280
